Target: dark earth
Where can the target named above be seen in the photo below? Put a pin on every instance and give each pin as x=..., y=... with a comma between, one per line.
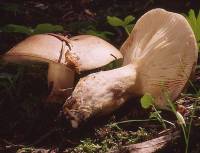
x=27, y=123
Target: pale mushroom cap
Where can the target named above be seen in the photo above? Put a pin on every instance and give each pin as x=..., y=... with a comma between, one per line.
x=163, y=47
x=92, y=52
x=82, y=52
x=37, y=47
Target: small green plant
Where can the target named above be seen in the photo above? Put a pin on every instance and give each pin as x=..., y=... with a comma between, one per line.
x=87, y=146
x=194, y=21
x=126, y=23
x=40, y=28
x=92, y=30
x=111, y=140
x=147, y=101
x=186, y=127
x=127, y=137
x=181, y=121
x=25, y=150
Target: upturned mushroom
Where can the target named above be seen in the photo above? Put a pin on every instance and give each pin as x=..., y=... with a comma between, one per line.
x=64, y=56
x=159, y=55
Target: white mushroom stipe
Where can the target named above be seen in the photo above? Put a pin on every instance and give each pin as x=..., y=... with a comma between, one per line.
x=61, y=78
x=100, y=93
x=159, y=55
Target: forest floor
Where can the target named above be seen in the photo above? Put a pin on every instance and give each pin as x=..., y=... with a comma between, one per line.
x=27, y=124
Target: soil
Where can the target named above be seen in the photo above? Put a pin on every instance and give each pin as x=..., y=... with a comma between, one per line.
x=27, y=123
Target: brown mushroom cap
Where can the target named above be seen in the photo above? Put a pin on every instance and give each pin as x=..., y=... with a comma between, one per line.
x=163, y=47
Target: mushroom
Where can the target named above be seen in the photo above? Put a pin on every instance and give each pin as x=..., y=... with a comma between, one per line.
x=159, y=55
x=64, y=56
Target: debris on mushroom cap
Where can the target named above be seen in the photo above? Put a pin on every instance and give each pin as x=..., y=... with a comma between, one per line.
x=92, y=52
x=160, y=55
x=80, y=53
x=163, y=46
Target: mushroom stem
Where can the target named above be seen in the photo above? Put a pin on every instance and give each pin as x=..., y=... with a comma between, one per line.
x=103, y=93
x=60, y=81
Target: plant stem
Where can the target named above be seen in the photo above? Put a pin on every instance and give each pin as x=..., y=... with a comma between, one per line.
x=129, y=121
x=186, y=136
x=144, y=120
x=160, y=119
x=169, y=123
x=125, y=28
x=190, y=124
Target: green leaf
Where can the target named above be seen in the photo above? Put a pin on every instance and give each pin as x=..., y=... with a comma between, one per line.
x=192, y=18
x=180, y=119
x=198, y=26
x=129, y=19
x=91, y=30
x=194, y=23
x=115, y=21
x=146, y=101
x=101, y=34
x=130, y=27
x=46, y=27
x=17, y=29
